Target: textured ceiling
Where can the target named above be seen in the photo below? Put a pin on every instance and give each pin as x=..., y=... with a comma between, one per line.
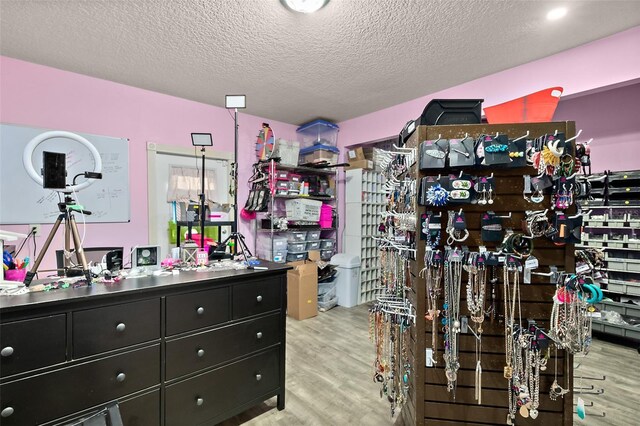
x=350, y=58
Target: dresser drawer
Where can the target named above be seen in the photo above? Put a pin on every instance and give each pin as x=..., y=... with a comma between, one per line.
x=111, y=327
x=30, y=344
x=220, y=391
x=143, y=410
x=63, y=392
x=206, y=349
x=195, y=310
x=256, y=297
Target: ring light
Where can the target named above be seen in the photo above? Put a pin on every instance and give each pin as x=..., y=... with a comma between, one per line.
x=33, y=144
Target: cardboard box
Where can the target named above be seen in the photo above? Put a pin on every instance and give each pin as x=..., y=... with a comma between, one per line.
x=355, y=155
x=360, y=164
x=302, y=288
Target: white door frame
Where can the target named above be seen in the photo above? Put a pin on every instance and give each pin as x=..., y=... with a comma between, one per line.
x=153, y=149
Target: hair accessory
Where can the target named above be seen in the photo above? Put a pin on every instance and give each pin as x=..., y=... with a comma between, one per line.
x=437, y=196
x=496, y=148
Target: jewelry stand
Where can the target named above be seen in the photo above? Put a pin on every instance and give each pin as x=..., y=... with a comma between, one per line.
x=70, y=231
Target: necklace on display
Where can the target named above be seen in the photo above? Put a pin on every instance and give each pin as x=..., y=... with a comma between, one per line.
x=451, y=322
x=476, y=293
x=433, y=278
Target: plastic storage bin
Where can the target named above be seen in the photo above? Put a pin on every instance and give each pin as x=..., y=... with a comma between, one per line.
x=318, y=132
x=313, y=235
x=265, y=243
x=328, y=294
x=295, y=257
x=278, y=256
x=326, y=216
x=287, y=151
x=327, y=244
x=313, y=245
x=326, y=255
x=303, y=209
x=297, y=247
x=296, y=236
x=319, y=153
x=325, y=306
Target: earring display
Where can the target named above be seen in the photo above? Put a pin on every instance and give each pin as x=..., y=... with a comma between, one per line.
x=485, y=190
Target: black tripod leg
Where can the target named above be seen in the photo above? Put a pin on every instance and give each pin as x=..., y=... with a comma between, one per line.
x=79, y=250
x=243, y=244
x=32, y=273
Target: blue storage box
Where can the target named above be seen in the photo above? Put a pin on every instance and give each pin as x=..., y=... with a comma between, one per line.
x=318, y=132
x=319, y=152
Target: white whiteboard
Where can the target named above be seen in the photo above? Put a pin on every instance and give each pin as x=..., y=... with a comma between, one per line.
x=23, y=201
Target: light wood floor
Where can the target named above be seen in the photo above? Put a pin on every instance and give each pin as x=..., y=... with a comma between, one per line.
x=329, y=360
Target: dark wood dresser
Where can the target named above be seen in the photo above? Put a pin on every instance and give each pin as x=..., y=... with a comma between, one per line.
x=188, y=349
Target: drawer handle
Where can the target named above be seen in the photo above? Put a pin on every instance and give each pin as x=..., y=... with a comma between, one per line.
x=120, y=377
x=200, y=353
x=259, y=335
x=120, y=327
x=200, y=310
x=199, y=401
x=7, y=412
x=258, y=377
x=259, y=299
x=7, y=351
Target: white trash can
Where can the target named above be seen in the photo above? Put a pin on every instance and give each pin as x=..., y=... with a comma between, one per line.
x=348, y=278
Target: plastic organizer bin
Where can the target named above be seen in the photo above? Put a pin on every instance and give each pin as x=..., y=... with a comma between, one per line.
x=278, y=256
x=296, y=236
x=303, y=209
x=287, y=151
x=313, y=245
x=328, y=295
x=325, y=306
x=318, y=132
x=297, y=247
x=326, y=286
x=319, y=153
x=313, y=235
x=326, y=216
x=327, y=243
x=296, y=256
x=326, y=255
x=277, y=243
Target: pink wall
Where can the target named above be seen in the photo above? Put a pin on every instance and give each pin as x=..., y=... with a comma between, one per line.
x=601, y=63
x=609, y=61
x=40, y=96
x=611, y=119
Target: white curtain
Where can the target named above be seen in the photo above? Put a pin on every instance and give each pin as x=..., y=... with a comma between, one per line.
x=185, y=185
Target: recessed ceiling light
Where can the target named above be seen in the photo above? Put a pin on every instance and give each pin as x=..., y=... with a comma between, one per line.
x=557, y=13
x=304, y=6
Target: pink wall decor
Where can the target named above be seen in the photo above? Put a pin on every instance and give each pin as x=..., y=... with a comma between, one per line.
x=40, y=96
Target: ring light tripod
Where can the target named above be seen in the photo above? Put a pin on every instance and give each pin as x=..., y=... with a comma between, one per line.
x=70, y=231
x=68, y=206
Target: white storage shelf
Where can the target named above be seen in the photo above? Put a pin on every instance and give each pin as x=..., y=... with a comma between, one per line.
x=364, y=203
